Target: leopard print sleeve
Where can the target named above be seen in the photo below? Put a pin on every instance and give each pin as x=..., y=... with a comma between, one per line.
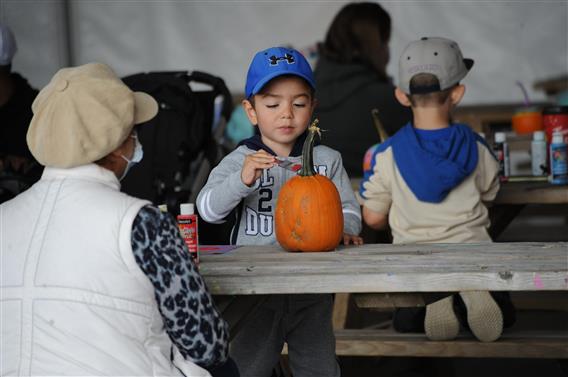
x=191, y=320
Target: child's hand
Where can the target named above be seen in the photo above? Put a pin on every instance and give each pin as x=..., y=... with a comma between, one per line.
x=254, y=164
x=349, y=238
x=375, y=220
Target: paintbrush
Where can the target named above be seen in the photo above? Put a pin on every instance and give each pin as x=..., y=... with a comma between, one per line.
x=379, y=126
x=288, y=165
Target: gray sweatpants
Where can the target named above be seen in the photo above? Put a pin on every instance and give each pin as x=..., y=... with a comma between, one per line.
x=302, y=321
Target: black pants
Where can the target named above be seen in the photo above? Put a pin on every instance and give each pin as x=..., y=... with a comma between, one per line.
x=229, y=369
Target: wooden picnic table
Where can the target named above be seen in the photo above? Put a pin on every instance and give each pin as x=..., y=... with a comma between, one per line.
x=247, y=274
x=514, y=196
x=250, y=270
x=522, y=193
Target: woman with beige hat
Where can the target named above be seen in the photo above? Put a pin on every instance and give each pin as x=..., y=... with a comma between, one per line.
x=96, y=282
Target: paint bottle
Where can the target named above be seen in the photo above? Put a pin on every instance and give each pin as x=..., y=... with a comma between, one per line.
x=558, y=163
x=187, y=223
x=555, y=118
x=501, y=149
x=538, y=154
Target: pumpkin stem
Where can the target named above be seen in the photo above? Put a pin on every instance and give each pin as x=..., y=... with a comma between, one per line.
x=308, y=169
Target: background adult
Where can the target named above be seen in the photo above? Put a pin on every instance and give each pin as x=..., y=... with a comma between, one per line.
x=352, y=80
x=18, y=168
x=96, y=282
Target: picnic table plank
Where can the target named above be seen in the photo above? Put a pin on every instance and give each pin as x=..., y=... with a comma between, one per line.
x=390, y=268
x=524, y=344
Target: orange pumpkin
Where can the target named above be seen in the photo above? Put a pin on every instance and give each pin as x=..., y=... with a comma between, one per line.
x=308, y=210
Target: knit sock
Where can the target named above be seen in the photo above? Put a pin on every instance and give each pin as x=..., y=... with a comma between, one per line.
x=484, y=316
x=441, y=322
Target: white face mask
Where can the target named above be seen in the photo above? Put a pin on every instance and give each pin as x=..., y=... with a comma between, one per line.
x=136, y=158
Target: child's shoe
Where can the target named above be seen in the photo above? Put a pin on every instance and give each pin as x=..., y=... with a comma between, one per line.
x=441, y=322
x=484, y=316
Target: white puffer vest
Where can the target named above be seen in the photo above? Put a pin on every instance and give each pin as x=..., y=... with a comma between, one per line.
x=74, y=301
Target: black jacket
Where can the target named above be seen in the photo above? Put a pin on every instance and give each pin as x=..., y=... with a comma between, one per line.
x=347, y=93
x=15, y=117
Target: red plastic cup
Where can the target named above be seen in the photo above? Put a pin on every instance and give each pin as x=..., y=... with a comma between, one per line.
x=527, y=120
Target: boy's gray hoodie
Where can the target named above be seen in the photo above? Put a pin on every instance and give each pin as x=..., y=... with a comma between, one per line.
x=225, y=190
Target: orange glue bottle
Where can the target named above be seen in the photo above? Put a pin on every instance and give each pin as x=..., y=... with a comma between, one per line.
x=187, y=223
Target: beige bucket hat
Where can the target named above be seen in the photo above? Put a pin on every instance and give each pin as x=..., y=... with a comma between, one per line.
x=83, y=114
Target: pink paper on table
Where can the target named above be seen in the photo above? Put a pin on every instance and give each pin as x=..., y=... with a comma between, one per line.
x=538, y=281
x=216, y=249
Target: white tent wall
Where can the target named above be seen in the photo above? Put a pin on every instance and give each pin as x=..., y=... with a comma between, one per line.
x=41, y=37
x=509, y=40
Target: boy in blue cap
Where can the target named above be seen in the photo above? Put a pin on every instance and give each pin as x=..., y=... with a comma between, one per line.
x=279, y=101
x=431, y=182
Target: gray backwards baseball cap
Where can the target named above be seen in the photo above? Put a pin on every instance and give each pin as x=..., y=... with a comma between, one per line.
x=438, y=56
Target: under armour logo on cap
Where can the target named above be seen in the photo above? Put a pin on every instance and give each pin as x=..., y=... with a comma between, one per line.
x=287, y=57
x=274, y=62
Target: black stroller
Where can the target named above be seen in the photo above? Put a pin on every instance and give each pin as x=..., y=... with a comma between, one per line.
x=182, y=143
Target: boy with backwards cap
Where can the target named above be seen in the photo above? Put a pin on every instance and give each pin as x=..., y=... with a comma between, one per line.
x=431, y=182
x=279, y=101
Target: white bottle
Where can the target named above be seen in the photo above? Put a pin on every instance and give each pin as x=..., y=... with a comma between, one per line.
x=186, y=208
x=538, y=154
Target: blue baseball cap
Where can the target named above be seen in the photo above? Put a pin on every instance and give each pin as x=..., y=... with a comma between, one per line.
x=274, y=62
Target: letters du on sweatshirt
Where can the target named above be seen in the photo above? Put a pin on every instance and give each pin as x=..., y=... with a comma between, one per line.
x=260, y=221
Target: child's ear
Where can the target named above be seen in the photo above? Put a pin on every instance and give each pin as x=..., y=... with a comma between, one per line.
x=250, y=111
x=402, y=97
x=457, y=94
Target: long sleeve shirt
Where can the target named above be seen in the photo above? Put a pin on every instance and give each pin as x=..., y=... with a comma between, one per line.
x=190, y=317
x=256, y=205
